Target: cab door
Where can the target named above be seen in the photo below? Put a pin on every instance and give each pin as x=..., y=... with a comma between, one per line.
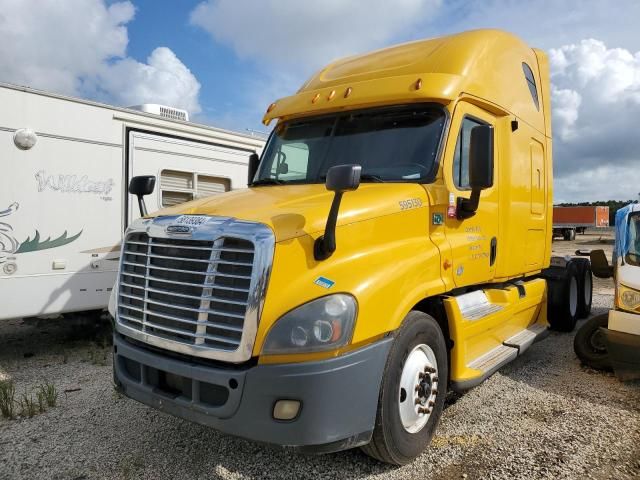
x=474, y=241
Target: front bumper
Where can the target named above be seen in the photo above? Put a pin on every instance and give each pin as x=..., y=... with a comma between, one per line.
x=624, y=352
x=339, y=396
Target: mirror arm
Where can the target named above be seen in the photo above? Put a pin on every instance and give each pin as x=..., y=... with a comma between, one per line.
x=142, y=206
x=325, y=245
x=467, y=207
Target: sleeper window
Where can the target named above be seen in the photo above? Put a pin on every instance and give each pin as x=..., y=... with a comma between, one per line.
x=461, y=155
x=531, y=82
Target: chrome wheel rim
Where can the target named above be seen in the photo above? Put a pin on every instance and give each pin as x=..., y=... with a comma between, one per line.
x=573, y=296
x=418, y=388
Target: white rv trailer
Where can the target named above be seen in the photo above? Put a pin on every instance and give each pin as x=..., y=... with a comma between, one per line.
x=65, y=165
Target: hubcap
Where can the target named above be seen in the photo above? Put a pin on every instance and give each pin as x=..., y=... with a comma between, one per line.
x=598, y=342
x=418, y=388
x=573, y=296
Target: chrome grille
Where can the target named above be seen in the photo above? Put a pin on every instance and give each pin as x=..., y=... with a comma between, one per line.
x=194, y=292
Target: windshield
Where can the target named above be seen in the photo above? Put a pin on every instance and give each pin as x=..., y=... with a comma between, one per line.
x=633, y=255
x=396, y=144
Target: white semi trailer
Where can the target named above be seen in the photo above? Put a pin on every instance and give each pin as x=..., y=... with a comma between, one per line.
x=65, y=164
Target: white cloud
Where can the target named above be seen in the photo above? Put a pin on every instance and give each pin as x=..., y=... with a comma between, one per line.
x=163, y=79
x=595, y=105
x=78, y=47
x=607, y=182
x=304, y=36
x=547, y=23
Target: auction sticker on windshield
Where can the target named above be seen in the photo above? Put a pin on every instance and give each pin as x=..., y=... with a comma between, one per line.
x=191, y=220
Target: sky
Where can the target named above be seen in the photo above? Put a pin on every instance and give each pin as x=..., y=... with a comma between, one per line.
x=225, y=61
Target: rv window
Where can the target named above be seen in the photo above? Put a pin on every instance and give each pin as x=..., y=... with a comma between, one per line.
x=531, y=82
x=178, y=187
x=461, y=155
x=208, y=185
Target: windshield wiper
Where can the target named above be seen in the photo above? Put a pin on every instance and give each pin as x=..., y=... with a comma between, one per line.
x=371, y=178
x=267, y=181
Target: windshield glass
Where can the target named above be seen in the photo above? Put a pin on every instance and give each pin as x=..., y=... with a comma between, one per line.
x=633, y=255
x=396, y=144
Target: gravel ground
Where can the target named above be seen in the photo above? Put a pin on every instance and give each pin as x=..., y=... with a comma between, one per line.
x=542, y=416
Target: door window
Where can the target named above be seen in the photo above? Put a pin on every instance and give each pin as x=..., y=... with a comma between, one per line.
x=461, y=155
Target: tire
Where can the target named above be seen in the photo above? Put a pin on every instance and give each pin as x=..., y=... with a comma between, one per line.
x=590, y=345
x=585, y=287
x=396, y=438
x=562, y=302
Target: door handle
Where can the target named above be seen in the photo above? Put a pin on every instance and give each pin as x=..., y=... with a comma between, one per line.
x=493, y=251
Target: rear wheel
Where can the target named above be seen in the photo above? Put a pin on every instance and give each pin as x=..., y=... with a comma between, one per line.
x=563, y=298
x=590, y=343
x=412, y=393
x=585, y=287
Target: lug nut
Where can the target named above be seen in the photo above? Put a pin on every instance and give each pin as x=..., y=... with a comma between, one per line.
x=434, y=391
x=418, y=401
x=424, y=410
x=432, y=403
x=435, y=379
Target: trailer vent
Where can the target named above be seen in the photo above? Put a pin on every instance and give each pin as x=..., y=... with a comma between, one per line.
x=163, y=111
x=192, y=292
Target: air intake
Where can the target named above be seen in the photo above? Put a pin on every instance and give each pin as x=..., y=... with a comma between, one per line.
x=163, y=111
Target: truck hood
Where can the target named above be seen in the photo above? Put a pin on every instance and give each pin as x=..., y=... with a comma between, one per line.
x=296, y=210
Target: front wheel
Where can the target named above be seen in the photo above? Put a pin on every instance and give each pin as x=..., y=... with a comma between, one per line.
x=412, y=393
x=590, y=343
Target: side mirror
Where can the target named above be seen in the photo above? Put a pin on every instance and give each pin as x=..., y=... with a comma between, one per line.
x=481, y=157
x=254, y=162
x=600, y=266
x=343, y=178
x=140, y=186
x=480, y=169
x=340, y=179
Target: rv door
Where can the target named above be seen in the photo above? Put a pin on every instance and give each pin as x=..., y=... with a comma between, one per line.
x=185, y=169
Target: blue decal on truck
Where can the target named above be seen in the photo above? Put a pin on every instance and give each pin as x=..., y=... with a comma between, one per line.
x=324, y=282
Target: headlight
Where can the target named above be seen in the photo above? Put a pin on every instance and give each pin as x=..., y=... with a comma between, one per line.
x=322, y=324
x=629, y=298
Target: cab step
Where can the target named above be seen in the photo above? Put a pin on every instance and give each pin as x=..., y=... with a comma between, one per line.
x=493, y=360
x=526, y=337
x=476, y=305
x=490, y=362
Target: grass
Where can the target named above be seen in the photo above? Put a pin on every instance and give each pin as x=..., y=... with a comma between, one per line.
x=28, y=406
x=98, y=355
x=47, y=394
x=7, y=398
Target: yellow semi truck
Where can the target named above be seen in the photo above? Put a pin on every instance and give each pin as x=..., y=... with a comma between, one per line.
x=394, y=243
